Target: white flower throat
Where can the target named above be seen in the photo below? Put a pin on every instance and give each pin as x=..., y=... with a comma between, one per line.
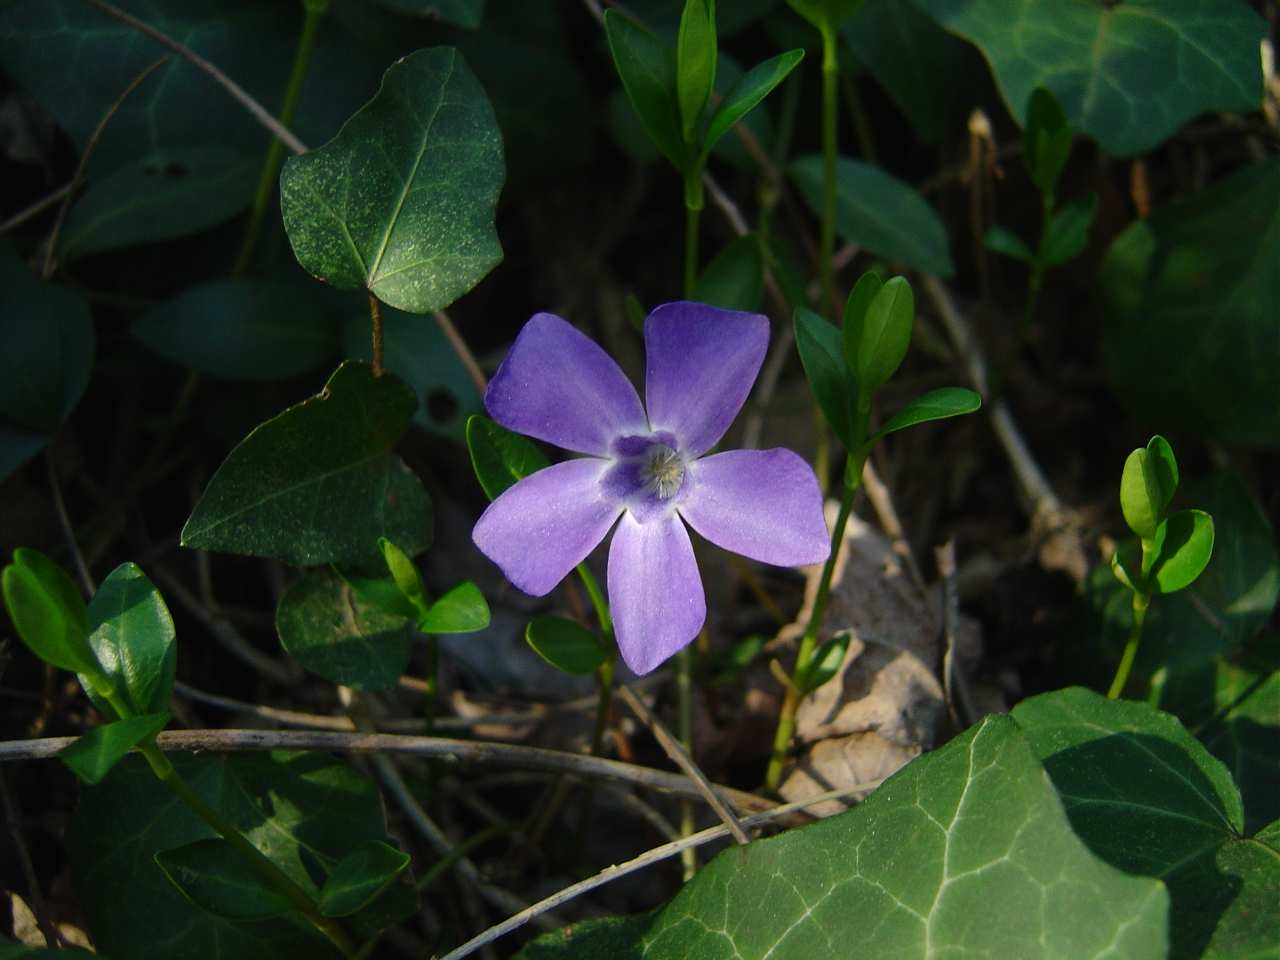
x=663, y=471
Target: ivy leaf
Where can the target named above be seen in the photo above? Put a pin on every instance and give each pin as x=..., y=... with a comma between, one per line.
x=360, y=877
x=822, y=356
x=564, y=644
x=134, y=641
x=500, y=457
x=935, y=405
x=1185, y=552
x=215, y=877
x=647, y=69
x=401, y=201
x=92, y=756
x=317, y=483
x=462, y=610
x=48, y=612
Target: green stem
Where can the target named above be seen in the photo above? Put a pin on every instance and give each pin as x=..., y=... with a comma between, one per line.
x=1035, y=279
x=791, y=700
x=1140, y=603
x=692, y=213
x=830, y=72
x=314, y=10
x=605, y=672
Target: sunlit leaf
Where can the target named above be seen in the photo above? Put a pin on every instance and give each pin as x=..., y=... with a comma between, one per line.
x=92, y=756
x=133, y=638
x=462, y=610
x=1187, y=547
x=48, y=612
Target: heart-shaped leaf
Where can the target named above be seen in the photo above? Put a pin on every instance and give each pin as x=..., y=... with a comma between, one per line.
x=133, y=638
x=879, y=213
x=876, y=346
x=462, y=610
x=92, y=756
x=1187, y=547
x=935, y=405
x=335, y=632
x=215, y=877
x=317, y=483
x=500, y=457
x=48, y=612
x=359, y=877
x=401, y=201
x=646, y=66
x=746, y=94
x=565, y=644
x=695, y=63
x=822, y=356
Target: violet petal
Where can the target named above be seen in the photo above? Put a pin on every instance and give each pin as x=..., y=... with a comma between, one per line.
x=655, y=592
x=557, y=384
x=763, y=504
x=700, y=364
x=546, y=524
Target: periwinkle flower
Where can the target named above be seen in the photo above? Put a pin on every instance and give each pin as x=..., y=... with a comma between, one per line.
x=646, y=473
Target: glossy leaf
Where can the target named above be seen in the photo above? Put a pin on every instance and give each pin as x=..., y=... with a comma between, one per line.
x=1000, y=240
x=1188, y=545
x=1047, y=141
x=748, y=92
x=359, y=877
x=876, y=346
x=734, y=279
x=93, y=755
x=646, y=66
x=404, y=573
x=317, y=483
x=822, y=356
x=462, y=610
x=966, y=851
x=695, y=63
x=462, y=13
x=1148, y=798
x=1127, y=74
x=565, y=644
x=879, y=213
x=214, y=877
x=133, y=638
x=826, y=661
x=1068, y=233
x=935, y=405
x=1183, y=292
x=48, y=612
x=244, y=329
x=306, y=811
x=401, y=201
x=335, y=632
x=1147, y=485
x=164, y=194
x=500, y=457
x=826, y=15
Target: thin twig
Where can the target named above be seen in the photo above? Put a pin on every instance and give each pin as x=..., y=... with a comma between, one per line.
x=479, y=753
x=467, y=358
x=78, y=177
x=37, y=208
x=953, y=684
x=68, y=531
x=259, y=112
x=680, y=756
x=649, y=857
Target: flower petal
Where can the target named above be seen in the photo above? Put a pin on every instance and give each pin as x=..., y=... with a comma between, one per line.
x=700, y=364
x=556, y=384
x=655, y=592
x=763, y=504
x=546, y=524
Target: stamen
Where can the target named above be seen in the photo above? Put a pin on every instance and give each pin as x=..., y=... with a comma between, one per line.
x=664, y=470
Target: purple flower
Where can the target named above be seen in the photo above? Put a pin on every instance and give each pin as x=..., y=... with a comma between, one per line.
x=557, y=385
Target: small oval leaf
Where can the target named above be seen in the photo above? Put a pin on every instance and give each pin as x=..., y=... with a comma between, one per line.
x=92, y=756
x=883, y=336
x=48, y=612
x=1187, y=549
x=462, y=610
x=564, y=644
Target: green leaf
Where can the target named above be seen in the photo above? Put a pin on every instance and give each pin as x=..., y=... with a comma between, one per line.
x=822, y=356
x=935, y=405
x=133, y=639
x=379, y=592
x=966, y=851
x=646, y=66
x=1148, y=798
x=826, y=15
x=826, y=662
x=748, y=92
x=467, y=14
x=564, y=644
x=359, y=877
x=500, y=457
x=244, y=329
x=335, y=632
x=1147, y=486
x=92, y=756
x=1047, y=141
x=164, y=194
x=695, y=63
x=734, y=279
x=728, y=663
x=48, y=349
x=1068, y=232
x=404, y=573
x=1189, y=296
x=1188, y=545
x=305, y=811
x=861, y=297
x=462, y=610
x=1127, y=74
x=1126, y=564
x=317, y=483
x=48, y=612
x=215, y=877
x=401, y=201
x=1000, y=240
x=879, y=213
x=876, y=346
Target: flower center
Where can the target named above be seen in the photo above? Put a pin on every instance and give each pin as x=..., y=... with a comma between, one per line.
x=663, y=471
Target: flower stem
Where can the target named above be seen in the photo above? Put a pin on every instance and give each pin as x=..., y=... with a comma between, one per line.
x=794, y=694
x=830, y=72
x=1140, y=603
x=692, y=215
x=314, y=10
x=606, y=670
